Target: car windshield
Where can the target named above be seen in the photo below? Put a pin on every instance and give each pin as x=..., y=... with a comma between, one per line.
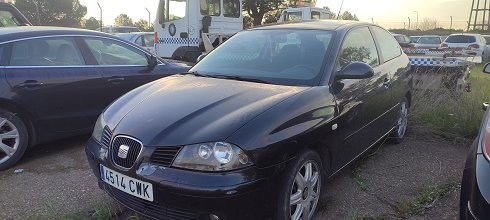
x=285, y=57
x=429, y=40
x=461, y=39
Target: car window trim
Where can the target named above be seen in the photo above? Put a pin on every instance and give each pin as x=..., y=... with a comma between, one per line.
x=86, y=35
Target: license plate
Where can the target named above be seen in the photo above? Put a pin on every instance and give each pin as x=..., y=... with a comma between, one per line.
x=134, y=187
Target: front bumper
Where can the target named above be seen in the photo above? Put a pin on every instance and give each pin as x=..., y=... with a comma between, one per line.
x=475, y=190
x=182, y=194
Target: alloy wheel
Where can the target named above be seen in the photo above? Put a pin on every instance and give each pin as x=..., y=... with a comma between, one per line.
x=403, y=120
x=305, y=192
x=9, y=139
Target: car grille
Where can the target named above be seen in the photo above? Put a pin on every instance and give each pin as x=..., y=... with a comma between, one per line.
x=151, y=209
x=132, y=154
x=163, y=156
x=106, y=137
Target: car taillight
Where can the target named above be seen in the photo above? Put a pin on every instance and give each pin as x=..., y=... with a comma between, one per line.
x=443, y=45
x=486, y=140
x=155, y=38
x=474, y=46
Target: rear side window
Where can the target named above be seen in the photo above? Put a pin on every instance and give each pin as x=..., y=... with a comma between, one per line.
x=390, y=48
x=210, y=7
x=139, y=41
x=294, y=16
x=359, y=46
x=110, y=52
x=149, y=40
x=231, y=8
x=60, y=51
x=315, y=15
x=461, y=39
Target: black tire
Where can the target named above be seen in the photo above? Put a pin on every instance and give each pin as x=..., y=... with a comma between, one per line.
x=10, y=121
x=288, y=184
x=399, y=133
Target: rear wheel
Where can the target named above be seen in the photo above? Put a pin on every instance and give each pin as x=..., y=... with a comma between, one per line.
x=13, y=139
x=399, y=133
x=301, y=187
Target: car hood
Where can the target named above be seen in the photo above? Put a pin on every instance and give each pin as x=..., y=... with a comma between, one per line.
x=180, y=110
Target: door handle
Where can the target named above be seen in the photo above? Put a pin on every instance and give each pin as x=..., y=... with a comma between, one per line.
x=115, y=80
x=387, y=83
x=31, y=84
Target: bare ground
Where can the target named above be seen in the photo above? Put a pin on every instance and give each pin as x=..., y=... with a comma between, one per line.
x=57, y=183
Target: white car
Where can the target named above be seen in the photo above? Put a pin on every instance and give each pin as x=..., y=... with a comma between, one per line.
x=428, y=42
x=474, y=42
x=143, y=39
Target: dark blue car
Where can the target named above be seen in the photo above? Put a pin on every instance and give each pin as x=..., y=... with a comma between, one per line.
x=54, y=82
x=475, y=186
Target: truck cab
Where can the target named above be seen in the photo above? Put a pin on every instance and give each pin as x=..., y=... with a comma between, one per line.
x=181, y=24
x=304, y=14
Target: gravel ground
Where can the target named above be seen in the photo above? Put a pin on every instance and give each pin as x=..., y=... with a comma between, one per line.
x=56, y=182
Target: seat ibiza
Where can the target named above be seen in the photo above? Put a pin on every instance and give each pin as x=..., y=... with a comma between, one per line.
x=258, y=126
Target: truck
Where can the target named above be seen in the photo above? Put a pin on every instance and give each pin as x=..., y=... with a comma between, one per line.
x=305, y=10
x=449, y=69
x=184, y=30
x=304, y=14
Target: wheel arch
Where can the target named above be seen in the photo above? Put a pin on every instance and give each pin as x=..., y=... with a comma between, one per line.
x=24, y=115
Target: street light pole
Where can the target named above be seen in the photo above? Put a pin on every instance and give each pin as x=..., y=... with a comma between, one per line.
x=100, y=16
x=417, y=25
x=149, y=18
x=408, y=23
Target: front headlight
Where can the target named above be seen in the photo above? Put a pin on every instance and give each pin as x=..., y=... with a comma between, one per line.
x=99, y=129
x=215, y=156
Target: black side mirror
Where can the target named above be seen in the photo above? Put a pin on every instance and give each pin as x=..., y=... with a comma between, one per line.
x=486, y=106
x=355, y=70
x=152, y=63
x=200, y=57
x=486, y=69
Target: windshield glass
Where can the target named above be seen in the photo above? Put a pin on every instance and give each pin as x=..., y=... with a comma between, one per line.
x=7, y=19
x=286, y=57
x=461, y=39
x=429, y=40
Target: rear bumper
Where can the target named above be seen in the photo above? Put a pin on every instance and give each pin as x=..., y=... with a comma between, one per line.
x=180, y=194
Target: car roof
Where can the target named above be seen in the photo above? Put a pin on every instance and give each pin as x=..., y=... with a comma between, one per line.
x=15, y=33
x=315, y=25
x=466, y=34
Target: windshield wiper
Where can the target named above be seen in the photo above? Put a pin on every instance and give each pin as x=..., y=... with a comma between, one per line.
x=240, y=78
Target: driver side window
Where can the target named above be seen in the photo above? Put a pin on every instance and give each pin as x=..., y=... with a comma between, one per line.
x=111, y=52
x=358, y=46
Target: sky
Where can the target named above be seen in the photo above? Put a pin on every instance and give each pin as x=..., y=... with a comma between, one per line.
x=384, y=12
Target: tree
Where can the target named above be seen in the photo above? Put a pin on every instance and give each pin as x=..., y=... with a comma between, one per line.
x=258, y=8
x=348, y=16
x=143, y=25
x=333, y=14
x=428, y=24
x=124, y=20
x=92, y=24
x=65, y=13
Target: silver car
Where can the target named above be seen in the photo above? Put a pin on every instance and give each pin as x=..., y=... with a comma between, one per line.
x=143, y=39
x=428, y=42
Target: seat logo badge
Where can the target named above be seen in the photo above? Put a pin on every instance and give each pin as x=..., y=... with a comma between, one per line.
x=123, y=151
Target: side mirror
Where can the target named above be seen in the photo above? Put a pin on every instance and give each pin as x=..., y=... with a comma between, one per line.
x=356, y=70
x=487, y=68
x=486, y=106
x=152, y=63
x=200, y=57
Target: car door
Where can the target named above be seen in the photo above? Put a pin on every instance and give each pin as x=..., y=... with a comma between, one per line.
x=50, y=78
x=123, y=66
x=361, y=103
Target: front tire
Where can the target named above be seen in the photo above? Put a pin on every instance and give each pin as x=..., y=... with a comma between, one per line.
x=399, y=134
x=13, y=139
x=301, y=187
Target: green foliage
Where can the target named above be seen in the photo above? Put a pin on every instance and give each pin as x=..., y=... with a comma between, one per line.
x=143, y=25
x=64, y=13
x=449, y=115
x=257, y=9
x=124, y=20
x=348, y=16
x=91, y=24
